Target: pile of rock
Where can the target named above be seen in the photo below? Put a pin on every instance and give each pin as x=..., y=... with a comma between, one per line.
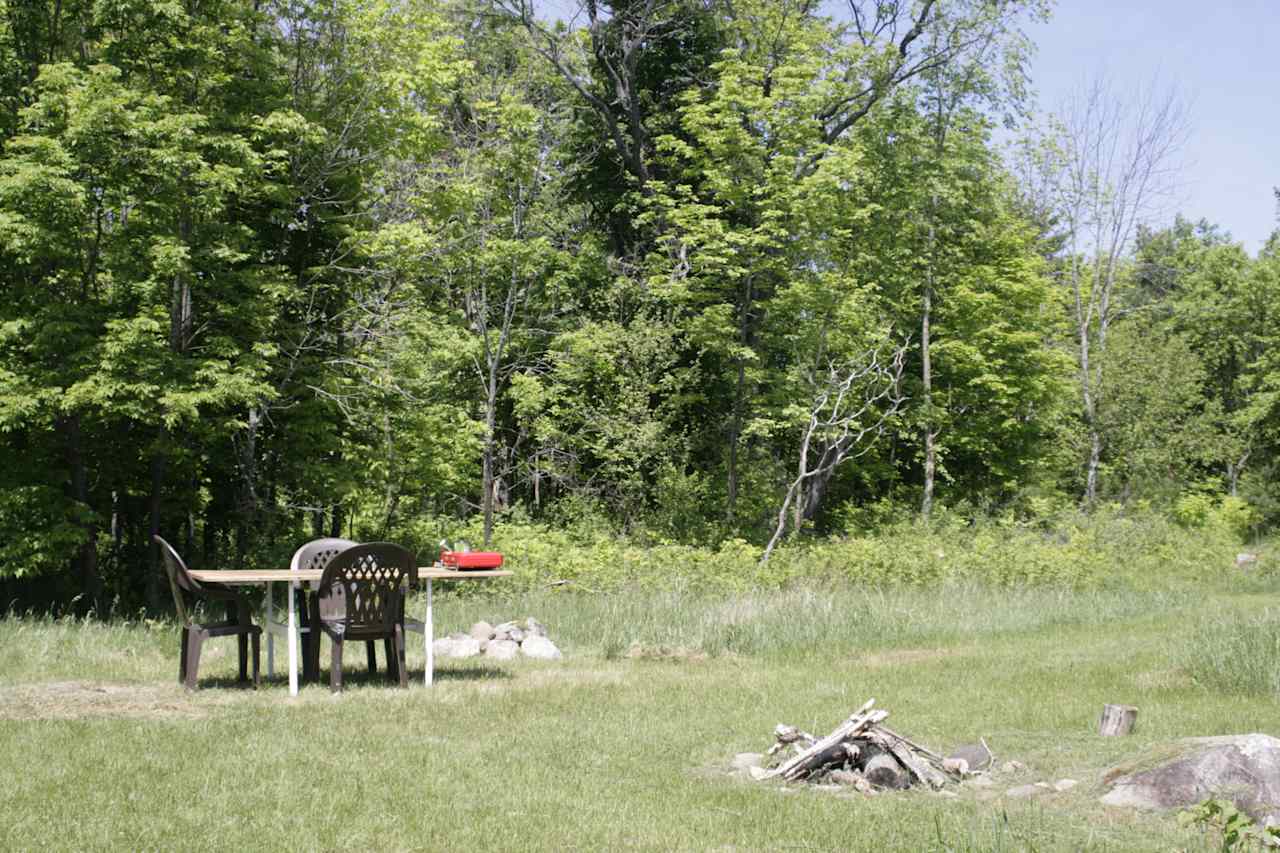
x=501, y=642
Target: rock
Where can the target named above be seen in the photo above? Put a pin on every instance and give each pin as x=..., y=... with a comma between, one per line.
x=503, y=631
x=757, y=773
x=846, y=777
x=482, y=631
x=1025, y=791
x=501, y=649
x=541, y=648
x=747, y=760
x=983, y=781
x=463, y=646
x=1244, y=769
x=458, y=635
x=534, y=627
x=1064, y=785
x=516, y=635
x=976, y=755
x=956, y=765
x=1012, y=767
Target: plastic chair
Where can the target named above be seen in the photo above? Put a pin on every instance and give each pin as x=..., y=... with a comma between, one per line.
x=314, y=555
x=238, y=622
x=361, y=597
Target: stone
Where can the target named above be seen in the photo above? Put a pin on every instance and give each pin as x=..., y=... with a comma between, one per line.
x=956, y=765
x=758, y=773
x=458, y=635
x=540, y=648
x=534, y=627
x=1012, y=767
x=1244, y=769
x=516, y=635
x=456, y=647
x=747, y=760
x=976, y=755
x=482, y=631
x=1064, y=785
x=1025, y=791
x=983, y=781
x=503, y=631
x=501, y=649
x=846, y=777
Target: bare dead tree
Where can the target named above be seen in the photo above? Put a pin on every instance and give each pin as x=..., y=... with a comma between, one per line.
x=1110, y=164
x=852, y=403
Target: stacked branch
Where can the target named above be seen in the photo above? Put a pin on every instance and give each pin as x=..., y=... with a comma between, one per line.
x=864, y=751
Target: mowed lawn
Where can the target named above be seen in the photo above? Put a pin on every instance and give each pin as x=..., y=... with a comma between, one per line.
x=627, y=742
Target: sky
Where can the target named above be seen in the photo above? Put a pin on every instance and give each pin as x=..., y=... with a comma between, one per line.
x=1224, y=58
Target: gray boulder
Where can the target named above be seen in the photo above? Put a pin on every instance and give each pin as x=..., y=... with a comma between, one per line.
x=501, y=649
x=534, y=627
x=975, y=755
x=462, y=646
x=540, y=647
x=482, y=631
x=1244, y=769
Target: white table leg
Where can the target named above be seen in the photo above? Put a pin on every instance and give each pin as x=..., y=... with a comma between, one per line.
x=293, y=638
x=271, y=637
x=427, y=630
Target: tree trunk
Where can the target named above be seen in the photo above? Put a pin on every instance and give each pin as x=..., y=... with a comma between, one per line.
x=85, y=562
x=926, y=380
x=152, y=585
x=1117, y=720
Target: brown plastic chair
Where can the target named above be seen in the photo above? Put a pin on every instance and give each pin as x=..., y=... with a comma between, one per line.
x=315, y=555
x=361, y=597
x=237, y=623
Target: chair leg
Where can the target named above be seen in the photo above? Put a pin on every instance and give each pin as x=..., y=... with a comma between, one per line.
x=373, y=658
x=401, y=669
x=243, y=643
x=335, y=667
x=257, y=647
x=388, y=649
x=182, y=655
x=195, y=639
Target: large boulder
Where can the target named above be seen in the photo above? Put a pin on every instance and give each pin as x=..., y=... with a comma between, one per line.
x=540, y=647
x=501, y=649
x=1244, y=769
x=461, y=646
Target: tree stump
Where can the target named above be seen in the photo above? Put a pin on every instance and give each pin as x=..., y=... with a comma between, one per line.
x=1117, y=720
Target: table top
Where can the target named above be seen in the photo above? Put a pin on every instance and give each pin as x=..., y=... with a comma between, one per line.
x=257, y=576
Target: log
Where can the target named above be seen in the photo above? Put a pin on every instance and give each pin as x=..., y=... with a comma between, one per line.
x=918, y=768
x=884, y=771
x=802, y=764
x=1117, y=720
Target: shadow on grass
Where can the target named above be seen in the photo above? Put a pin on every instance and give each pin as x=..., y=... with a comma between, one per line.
x=359, y=677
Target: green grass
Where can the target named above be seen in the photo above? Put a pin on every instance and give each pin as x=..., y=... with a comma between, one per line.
x=100, y=748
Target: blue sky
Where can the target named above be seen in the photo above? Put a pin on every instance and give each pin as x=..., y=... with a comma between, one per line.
x=1224, y=57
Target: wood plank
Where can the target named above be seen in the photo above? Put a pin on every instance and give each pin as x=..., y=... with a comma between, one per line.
x=860, y=719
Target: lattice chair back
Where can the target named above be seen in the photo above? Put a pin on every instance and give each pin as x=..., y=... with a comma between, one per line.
x=180, y=579
x=317, y=553
x=363, y=587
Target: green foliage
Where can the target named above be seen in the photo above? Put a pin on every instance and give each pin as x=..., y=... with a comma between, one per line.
x=1238, y=830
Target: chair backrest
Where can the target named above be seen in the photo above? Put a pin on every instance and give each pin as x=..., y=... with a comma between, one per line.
x=180, y=579
x=317, y=553
x=363, y=587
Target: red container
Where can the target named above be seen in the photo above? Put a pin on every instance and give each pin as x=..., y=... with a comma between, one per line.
x=471, y=559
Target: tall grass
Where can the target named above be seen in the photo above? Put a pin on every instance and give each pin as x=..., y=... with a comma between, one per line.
x=1236, y=654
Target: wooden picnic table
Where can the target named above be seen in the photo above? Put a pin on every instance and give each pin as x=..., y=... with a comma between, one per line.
x=311, y=577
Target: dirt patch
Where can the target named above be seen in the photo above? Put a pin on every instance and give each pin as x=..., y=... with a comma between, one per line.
x=78, y=700
x=896, y=657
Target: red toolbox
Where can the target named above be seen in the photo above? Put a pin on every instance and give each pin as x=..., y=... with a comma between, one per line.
x=471, y=559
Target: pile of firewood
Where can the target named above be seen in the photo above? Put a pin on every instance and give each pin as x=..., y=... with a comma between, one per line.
x=861, y=752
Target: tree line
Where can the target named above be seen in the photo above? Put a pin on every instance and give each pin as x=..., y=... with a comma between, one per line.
x=699, y=269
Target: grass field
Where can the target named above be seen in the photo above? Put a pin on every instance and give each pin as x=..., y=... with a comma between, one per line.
x=626, y=743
